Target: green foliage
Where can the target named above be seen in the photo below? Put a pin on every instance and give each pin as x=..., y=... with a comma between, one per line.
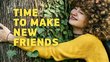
x=55, y=9
x=32, y=54
x=11, y=53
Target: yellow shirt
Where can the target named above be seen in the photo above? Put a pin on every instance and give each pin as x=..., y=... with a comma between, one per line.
x=86, y=47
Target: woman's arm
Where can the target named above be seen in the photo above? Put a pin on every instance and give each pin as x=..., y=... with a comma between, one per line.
x=86, y=47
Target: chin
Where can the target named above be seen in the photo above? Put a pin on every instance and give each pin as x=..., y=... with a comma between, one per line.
x=71, y=22
x=74, y=25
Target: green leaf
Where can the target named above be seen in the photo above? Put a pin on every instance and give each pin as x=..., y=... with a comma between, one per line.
x=52, y=10
x=57, y=10
x=32, y=54
x=64, y=32
x=64, y=22
x=58, y=29
x=40, y=30
x=47, y=11
x=48, y=15
x=62, y=28
x=11, y=53
x=61, y=2
x=62, y=8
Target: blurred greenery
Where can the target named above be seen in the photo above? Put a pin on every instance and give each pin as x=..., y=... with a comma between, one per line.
x=32, y=54
x=11, y=54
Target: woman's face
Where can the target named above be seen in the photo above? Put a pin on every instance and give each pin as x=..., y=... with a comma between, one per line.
x=77, y=18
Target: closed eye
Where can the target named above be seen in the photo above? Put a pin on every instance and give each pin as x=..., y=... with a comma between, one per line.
x=81, y=12
x=75, y=8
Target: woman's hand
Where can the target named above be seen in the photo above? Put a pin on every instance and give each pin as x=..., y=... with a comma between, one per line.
x=4, y=33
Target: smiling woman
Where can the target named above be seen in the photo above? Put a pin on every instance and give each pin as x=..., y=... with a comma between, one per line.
x=78, y=20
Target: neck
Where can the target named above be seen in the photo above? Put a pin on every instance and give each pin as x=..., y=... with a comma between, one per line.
x=78, y=30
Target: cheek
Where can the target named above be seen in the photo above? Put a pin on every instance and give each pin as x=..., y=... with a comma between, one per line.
x=71, y=22
x=82, y=17
x=82, y=21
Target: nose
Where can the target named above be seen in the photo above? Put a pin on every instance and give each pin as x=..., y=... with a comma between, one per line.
x=74, y=13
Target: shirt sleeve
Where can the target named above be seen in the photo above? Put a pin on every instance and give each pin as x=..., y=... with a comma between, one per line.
x=86, y=47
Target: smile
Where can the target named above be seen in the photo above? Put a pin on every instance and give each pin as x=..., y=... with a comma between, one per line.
x=73, y=18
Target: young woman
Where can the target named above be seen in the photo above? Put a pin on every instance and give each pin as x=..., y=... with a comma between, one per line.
x=87, y=46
